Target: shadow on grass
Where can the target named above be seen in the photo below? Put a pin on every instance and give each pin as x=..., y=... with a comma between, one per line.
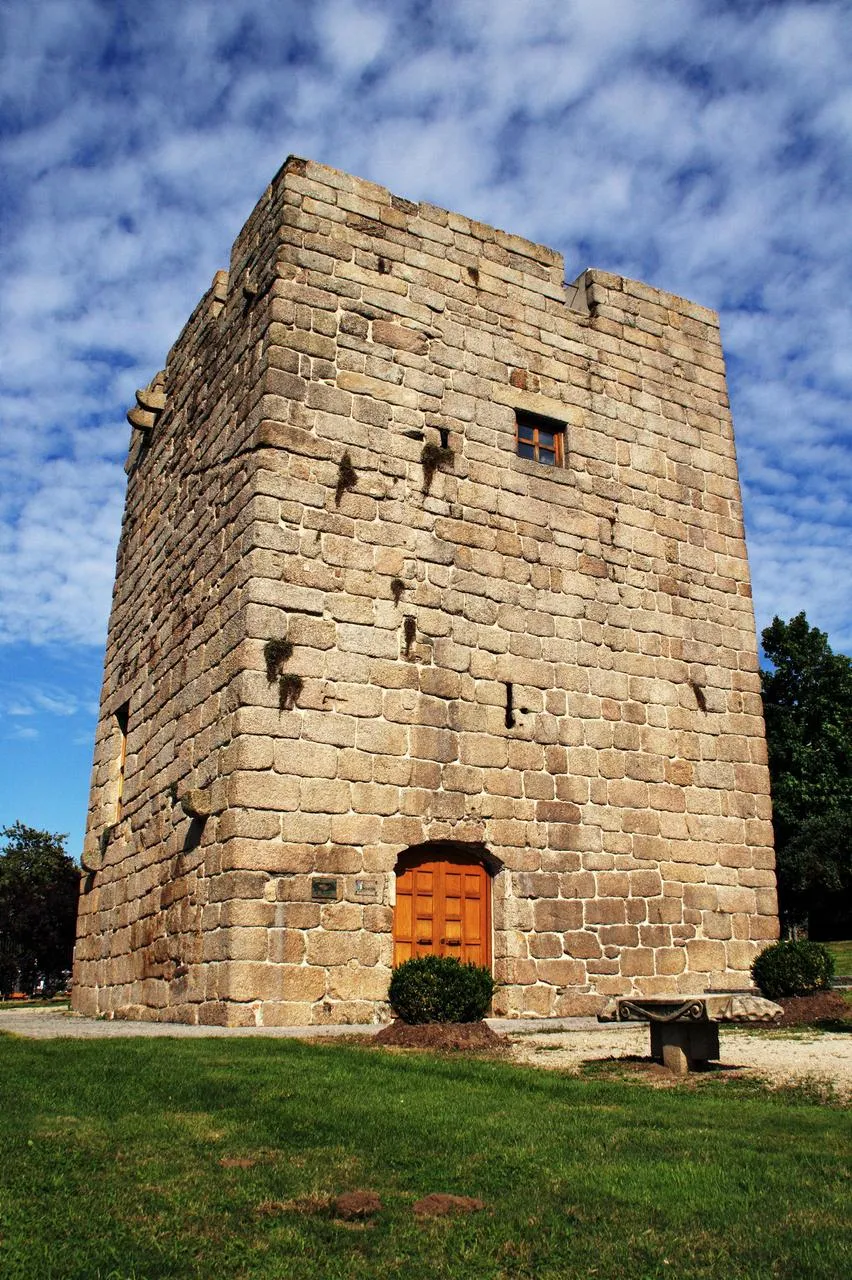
x=843, y=1025
x=720, y=1077
x=635, y=1066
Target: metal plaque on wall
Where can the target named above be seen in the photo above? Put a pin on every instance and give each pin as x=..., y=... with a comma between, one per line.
x=324, y=890
x=366, y=888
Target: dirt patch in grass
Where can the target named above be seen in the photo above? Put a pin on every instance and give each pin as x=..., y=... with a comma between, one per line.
x=357, y=1204
x=439, y=1205
x=823, y=1006
x=445, y=1037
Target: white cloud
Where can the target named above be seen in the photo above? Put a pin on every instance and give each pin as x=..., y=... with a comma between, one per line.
x=700, y=145
x=352, y=34
x=26, y=700
x=21, y=733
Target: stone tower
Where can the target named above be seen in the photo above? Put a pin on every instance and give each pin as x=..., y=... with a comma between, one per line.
x=432, y=630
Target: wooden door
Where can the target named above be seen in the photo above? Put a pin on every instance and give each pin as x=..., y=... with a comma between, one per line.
x=443, y=907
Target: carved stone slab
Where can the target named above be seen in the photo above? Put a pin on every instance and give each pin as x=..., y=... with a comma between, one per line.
x=721, y=1007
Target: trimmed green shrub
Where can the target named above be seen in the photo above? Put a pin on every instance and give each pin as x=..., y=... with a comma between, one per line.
x=793, y=969
x=440, y=989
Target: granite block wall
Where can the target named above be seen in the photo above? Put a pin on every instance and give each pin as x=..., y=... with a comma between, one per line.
x=350, y=620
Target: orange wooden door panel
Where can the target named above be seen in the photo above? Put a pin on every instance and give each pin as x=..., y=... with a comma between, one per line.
x=442, y=908
x=424, y=910
x=403, y=920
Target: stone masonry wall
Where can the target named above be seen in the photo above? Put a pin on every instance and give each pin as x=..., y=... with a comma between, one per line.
x=280, y=494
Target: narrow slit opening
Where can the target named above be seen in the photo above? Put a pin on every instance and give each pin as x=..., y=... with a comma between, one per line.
x=510, y=705
x=122, y=719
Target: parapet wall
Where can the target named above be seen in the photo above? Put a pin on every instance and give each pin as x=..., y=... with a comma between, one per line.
x=334, y=469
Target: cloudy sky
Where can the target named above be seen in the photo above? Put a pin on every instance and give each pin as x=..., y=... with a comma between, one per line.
x=700, y=145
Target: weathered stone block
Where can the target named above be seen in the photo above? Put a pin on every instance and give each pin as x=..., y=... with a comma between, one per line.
x=331, y=948
x=706, y=957
x=670, y=960
x=637, y=961
x=286, y=946
x=604, y=911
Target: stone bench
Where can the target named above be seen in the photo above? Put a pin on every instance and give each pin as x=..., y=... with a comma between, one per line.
x=685, y=1029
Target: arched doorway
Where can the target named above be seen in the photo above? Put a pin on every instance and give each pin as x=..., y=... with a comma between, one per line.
x=443, y=904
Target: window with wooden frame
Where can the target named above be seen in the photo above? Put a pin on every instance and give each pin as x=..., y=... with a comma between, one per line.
x=540, y=439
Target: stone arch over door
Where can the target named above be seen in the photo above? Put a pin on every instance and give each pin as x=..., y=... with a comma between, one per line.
x=444, y=902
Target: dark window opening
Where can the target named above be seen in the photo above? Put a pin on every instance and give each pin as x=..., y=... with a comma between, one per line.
x=540, y=439
x=122, y=719
x=510, y=705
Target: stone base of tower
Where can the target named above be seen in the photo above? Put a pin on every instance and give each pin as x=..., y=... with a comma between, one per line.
x=558, y=945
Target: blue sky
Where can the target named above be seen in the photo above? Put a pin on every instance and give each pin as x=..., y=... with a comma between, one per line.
x=700, y=145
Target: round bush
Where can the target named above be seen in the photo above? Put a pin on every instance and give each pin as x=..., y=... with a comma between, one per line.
x=793, y=969
x=440, y=989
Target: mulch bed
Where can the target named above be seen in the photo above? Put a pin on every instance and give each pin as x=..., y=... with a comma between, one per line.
x=824, y=1006
x=445, y=1037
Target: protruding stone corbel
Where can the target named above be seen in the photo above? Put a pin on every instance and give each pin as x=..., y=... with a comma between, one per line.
x=575, y=295
x=150, y=403
x=141, y=419
x=218, y=295
x=219, y=287
x=92, y=858
x=94, y=852
x=151, y=399
x=197, y=802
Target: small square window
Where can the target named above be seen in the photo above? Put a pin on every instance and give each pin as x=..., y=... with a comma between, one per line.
x=540, y=439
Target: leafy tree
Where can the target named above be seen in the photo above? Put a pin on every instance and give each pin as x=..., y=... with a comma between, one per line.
x=39, y=884
x=815, y=875
x=807, y=697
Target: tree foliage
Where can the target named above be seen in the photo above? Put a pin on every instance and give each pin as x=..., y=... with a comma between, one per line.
x=39, y=885
x=807, y=698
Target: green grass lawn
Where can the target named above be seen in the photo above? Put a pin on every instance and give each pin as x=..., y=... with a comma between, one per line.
x=842, y=952
x=111, y=1167
x=59, y=1002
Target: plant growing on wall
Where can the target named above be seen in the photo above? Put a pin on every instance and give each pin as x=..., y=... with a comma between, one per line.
x=433, y=457
x=347, y=477
x=289, y=688
x=275, y=654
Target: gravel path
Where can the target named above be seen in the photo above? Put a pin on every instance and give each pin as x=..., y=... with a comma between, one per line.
x=778, y=1057
x=792, y=1058
x=51, y=1024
